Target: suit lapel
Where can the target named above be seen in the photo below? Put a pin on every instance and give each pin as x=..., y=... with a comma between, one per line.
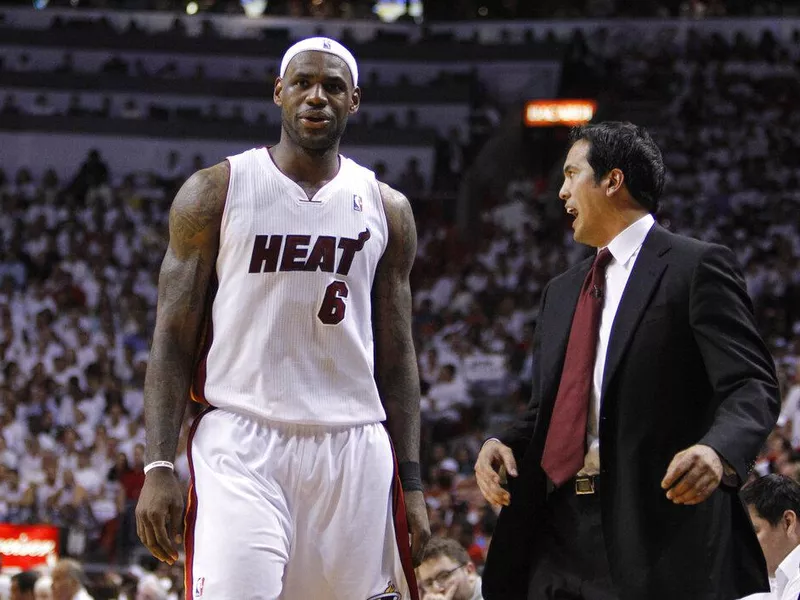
x=555, y=335
x=644, y=278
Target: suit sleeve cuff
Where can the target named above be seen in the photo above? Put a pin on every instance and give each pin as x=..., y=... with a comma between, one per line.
x=729, y=477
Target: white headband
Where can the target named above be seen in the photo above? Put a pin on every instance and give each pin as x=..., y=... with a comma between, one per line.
x=321, y=44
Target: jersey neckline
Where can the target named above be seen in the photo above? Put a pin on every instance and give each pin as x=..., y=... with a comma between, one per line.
x=298, y=193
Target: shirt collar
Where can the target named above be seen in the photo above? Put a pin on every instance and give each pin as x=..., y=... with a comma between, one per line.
x=628, y=241
x=788, y=569
x=476, y=592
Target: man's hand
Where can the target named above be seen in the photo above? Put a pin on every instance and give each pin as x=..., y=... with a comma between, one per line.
x=491, y=458
x=448, y=594
x=418, y=526
x=159, y=513
x=693, y=475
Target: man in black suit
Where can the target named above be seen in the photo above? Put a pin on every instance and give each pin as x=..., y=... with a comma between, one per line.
x=652, y=394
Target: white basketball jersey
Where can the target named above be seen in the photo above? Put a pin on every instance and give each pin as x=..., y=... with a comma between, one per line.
x=290, y=331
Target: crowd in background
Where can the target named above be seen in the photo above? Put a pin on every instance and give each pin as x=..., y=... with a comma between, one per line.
x=79, y=262
x=136, y=75
x=447, y=10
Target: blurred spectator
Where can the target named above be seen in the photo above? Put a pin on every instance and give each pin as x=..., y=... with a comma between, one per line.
x=446, y=395
x=67, y=63
x=92, y=174
x=43, y=590
x=410, y=180
x=5, y=586
x=75, y=108
x=116, y=66
x=774, y=505
x=447, y=573
x=198, y=163
x=150, y=588
x=10, y=106
x=41, y=107
x=23, y=63
x=69, y=581
x=130, y=110
x=790, y=413
x=22, y=585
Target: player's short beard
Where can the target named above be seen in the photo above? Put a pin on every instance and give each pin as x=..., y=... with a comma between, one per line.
x=315, y=144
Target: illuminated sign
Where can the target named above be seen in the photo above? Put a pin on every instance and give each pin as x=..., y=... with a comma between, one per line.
x=551, y=113
x=25, y=547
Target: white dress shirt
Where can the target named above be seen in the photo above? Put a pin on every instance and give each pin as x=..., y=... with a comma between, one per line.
x=624, y=248
x=786, y=584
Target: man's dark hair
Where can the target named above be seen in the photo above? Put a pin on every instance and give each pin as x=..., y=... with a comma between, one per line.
x=442, y=546
x=26, y=580
x=629, y=148
x=771, y=496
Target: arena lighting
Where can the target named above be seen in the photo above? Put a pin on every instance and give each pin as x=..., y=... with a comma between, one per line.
x=553, y=113
x=389, y=11
x=254, y=8
x=192, y=8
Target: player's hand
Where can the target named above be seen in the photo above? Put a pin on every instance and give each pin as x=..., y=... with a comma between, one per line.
x=159, y=513
x=693, y=475
x=494, y=457
x=448, y=594
x=419, y=528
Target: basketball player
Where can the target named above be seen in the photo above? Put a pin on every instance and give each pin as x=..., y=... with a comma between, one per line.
x=284, y=264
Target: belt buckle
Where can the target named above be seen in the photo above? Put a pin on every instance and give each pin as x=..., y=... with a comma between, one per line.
x=584, y=485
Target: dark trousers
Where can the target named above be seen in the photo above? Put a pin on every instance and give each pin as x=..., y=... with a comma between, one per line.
x=570, y=561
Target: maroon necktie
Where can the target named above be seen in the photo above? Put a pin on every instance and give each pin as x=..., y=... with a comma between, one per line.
x=565, y=447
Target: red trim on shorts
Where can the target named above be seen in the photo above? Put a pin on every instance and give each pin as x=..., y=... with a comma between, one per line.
x=401, y=531
x=190, y=519
x=197, y=390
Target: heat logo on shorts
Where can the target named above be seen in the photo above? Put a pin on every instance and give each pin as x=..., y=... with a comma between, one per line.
x=390, y=593
x=199, y=584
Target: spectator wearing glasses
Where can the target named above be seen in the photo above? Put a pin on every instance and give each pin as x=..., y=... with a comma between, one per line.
x=447, y=573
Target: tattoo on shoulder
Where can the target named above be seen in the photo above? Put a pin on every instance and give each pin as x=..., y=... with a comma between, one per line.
x=402, y=228
x=199, y=202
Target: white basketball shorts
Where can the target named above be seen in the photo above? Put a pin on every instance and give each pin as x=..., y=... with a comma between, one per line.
x=279, y=511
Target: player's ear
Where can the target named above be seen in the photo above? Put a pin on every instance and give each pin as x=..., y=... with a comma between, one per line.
x=616, y=178
x=355, y=100
x=276, y=94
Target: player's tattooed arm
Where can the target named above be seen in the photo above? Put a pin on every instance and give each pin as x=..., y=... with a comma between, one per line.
x=395, y=358
x=194, y=224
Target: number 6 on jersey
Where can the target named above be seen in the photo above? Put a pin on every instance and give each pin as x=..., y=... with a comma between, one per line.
x=332, y=309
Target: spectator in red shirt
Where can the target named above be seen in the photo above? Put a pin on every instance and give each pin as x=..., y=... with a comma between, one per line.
x=132, y=479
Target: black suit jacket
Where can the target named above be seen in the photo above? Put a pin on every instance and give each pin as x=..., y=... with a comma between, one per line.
x=685, y=365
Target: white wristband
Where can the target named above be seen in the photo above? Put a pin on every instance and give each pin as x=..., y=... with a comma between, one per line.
x=158, y=463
